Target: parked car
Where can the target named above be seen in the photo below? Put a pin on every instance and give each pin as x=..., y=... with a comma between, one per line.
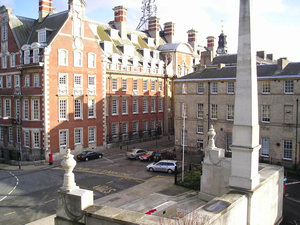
x=163, y=166
x=135, y=153
x=164, y=155
x=88, y=155
x=148, y=156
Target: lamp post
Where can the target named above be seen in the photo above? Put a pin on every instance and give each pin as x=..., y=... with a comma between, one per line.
x=183, y=142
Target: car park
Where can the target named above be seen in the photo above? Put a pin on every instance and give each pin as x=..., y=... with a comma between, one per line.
x=162, y=166
x=148, y=156
x=88, y=155
x=135, y=153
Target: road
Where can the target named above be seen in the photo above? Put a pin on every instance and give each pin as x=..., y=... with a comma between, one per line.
x=26, y=196
x=291, y=204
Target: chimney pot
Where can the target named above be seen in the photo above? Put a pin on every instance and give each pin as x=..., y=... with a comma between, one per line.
x=169, y=31
x=45, y=8
x=282, y=63
x=120, y=20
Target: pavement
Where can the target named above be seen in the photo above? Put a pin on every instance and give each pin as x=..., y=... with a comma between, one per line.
x=146, y=196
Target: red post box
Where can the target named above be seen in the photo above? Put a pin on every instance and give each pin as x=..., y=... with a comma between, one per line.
x=50, y=159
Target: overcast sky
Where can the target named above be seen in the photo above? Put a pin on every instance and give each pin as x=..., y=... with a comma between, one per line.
x=277, y=22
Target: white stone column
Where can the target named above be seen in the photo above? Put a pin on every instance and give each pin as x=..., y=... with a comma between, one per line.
x=245, y=144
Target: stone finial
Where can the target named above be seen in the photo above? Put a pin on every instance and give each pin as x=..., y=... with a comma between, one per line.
x=211, y=134
x=68, y=165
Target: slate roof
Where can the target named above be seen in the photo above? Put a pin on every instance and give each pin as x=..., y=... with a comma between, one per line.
x=103, y=34
x=25, y=29
x=53, y=22
x=231, y=59
x=21, y=28
x=228, y=72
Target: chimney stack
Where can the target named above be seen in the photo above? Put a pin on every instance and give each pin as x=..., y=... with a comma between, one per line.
x=282, y=63
x=153, y=28
x=270, y=57
x=192, y=36
x=261, y=54
x=211, y=43
x=192, y=39
x=120, y=21
x=45, y=8
x=169, y=31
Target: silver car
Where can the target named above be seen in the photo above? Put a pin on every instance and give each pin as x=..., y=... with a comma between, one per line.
x=163, y=166
x=135, y=153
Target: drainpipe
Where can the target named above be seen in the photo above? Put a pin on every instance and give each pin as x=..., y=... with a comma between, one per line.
x=297, y=119
x=208, y=109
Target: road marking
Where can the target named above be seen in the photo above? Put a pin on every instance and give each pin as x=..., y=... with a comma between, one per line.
x=10, y=213
x=297, y=182
x=17, y=182
x=111, y=173
x=109, y=182
x=52, y=200
x=108, y=160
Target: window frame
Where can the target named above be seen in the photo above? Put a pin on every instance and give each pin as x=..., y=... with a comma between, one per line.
x=230, y=112
x=80, y=130
x=26, y=109
x=200, y=111
x=63, y=57
x=90, y=139
x=91, y=108
x=114, y=84
x=287, y=149
x=35, y=112
x=213, y=111
x=265, y=149
x=200, y=88
x=13, y=60
x=214, y=88
x=124, y=106
x=135, y=106
x=145, y=106
x=65, y=142
x=36, y=80
x=230, y=88
x=78, y=58
x=266, y=87
x=92, y=60
x=78, y=109
x=265, y=113
x=63, y=112
x=289, y=87
x=114, y=108
x=36, y=143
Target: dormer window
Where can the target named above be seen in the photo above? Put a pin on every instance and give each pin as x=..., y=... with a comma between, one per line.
x=133, y=38
x=107, y=46
x=146, y=53
x=4, y=32
x=114, y=34
x=128, y=50
x=26, y=57
x=150, y=41
x=35, y=55
x=42, y=36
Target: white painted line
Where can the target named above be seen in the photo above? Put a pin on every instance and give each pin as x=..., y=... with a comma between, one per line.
x=108, y=159
x=17, y=179
x=296, y=182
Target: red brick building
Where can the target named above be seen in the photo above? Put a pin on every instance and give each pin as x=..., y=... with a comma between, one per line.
x=51, y=83
x=69, y=82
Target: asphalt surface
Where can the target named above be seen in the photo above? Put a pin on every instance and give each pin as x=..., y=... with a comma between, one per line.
x=291, y=204
x=31, y=193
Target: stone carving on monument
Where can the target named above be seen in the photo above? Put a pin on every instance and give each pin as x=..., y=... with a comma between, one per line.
x=215, y=170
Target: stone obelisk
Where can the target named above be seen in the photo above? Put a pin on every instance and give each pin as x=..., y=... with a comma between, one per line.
x=245, y=141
